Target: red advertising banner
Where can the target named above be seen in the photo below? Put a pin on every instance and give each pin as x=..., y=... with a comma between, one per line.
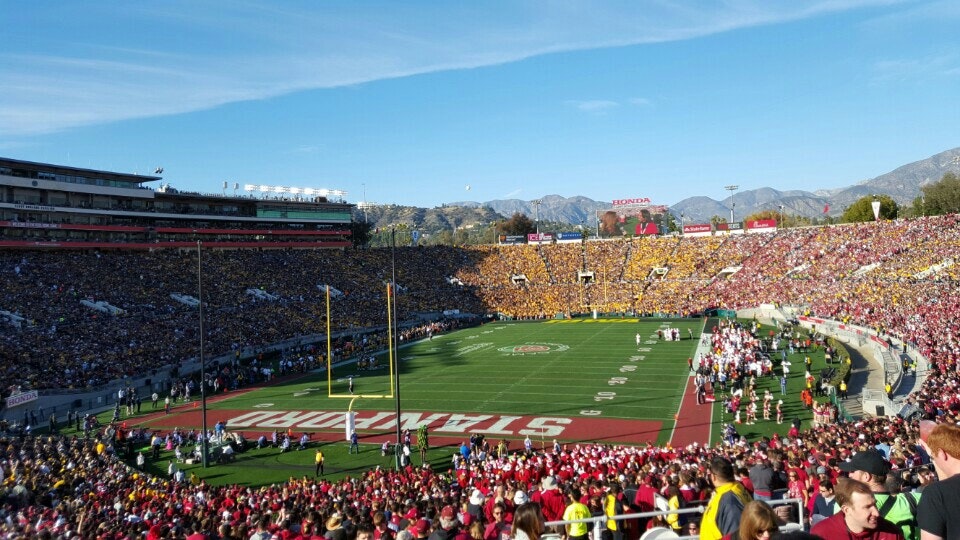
x=762, y=224
x=29, y=225
x=540, y=237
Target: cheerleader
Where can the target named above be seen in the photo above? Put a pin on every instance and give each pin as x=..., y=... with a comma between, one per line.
x=780, y=411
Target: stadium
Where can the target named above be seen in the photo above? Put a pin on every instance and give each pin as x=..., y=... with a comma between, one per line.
x=142, y=325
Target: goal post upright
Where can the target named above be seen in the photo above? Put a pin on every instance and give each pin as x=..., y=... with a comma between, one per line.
x=390, y=338
x=329, y=348
x=330, y=359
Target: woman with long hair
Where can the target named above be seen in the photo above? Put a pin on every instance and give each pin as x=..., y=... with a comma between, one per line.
x=528, y=522
x=675, y=502
x=757, y=522
x=475, y=530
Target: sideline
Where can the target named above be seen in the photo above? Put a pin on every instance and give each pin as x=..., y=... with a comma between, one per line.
x=689, y=423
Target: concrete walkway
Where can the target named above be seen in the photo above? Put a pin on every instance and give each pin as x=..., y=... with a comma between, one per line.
x=864, y=374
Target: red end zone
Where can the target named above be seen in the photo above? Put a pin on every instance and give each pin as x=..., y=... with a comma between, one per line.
x=331, y=424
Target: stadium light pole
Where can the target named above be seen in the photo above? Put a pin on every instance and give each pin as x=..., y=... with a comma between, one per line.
x=536, y=204
x=364, y=202
x=203, y=367
x=393, y=336
x=732, y=189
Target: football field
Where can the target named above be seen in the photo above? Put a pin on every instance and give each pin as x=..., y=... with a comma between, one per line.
x=569, y=380
x=572, y=380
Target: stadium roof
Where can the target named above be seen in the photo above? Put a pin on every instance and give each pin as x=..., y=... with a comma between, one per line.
x=63, y=169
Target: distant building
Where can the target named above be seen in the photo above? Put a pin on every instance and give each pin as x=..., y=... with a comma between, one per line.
x=53, y=206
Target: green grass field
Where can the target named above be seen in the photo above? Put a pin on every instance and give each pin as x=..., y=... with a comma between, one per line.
x=558, y=368
x=587, y=369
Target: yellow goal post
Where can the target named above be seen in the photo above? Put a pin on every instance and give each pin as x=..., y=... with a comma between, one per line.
x=330, y=363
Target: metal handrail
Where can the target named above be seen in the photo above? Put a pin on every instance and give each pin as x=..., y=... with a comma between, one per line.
x=599, y=521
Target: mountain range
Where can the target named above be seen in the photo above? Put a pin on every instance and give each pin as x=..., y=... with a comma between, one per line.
x=902, y=184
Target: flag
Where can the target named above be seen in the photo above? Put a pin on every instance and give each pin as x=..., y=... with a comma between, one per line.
x=826, y=208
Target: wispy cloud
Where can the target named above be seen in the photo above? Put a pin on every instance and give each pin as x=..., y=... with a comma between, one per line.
x=603, y=106
x=935, y=12
x=916, y=69
x=305, y=149
x=89, y=66
x=513, y=194
x=595, y=106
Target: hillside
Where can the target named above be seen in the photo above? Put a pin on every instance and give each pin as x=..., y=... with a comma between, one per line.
x=902, y=183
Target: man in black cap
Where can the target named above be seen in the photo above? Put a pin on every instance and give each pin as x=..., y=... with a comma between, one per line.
x=870, y=467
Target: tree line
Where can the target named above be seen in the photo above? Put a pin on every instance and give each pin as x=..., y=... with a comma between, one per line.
x=942, y=197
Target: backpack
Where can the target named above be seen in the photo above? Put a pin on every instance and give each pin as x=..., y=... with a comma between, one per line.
x=908, y=522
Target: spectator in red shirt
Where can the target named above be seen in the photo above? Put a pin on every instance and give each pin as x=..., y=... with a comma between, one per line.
x=551, y=499
x=858, y=517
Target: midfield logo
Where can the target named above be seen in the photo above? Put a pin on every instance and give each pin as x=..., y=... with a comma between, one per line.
x=533, y=348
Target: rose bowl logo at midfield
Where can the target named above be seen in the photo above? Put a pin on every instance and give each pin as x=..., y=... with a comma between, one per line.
x=533, y=348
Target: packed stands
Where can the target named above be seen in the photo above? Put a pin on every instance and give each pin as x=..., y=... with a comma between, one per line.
x=840, y=271
x=564, y=261
x=649, y=253
x=60, y=487
x=897, y=277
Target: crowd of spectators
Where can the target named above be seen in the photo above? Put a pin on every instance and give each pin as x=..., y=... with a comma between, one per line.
x=564, y=261
x=61, y=343
x=879, y=275
x=58, y=486
x=889, y=275
x=649, y=253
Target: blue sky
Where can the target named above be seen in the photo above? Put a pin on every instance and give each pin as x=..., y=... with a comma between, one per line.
x=410, y=102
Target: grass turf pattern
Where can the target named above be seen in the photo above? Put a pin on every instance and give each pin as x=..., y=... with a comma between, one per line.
x=557, y=368
x=581, y=368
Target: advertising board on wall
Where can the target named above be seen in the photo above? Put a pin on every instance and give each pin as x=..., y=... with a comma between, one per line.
x=21, y=398
x=567, y=237
x=761, y=225
x=513, y=239
x=539, y=238
x=697, y=229
x=730, y=228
